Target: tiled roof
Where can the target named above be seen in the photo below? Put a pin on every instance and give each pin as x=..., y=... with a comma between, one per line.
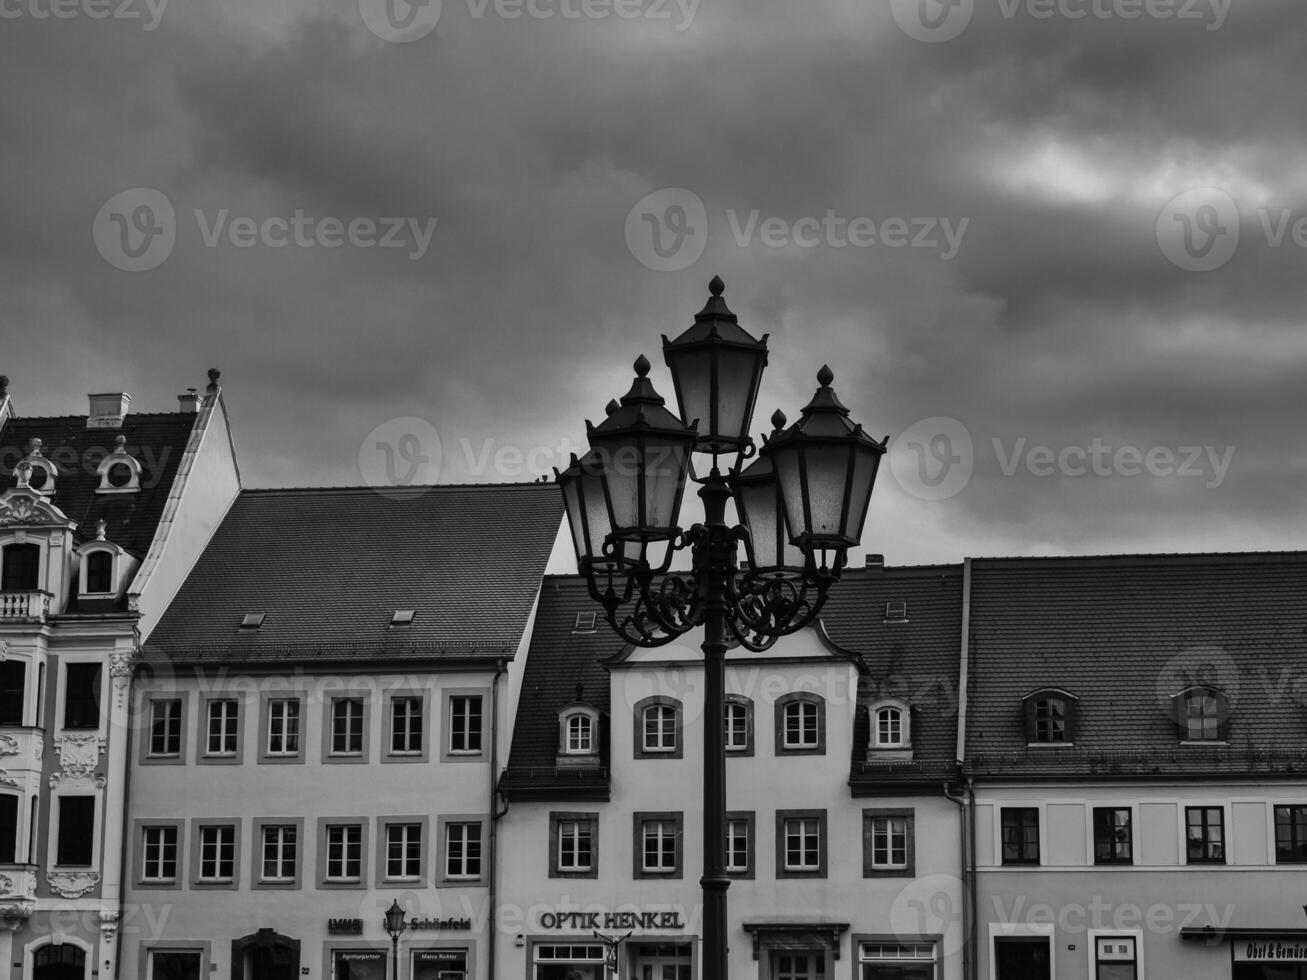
x=329, y=567
x=560, y=658
x=1125, y=633
x=156, y=440
x=915, y=660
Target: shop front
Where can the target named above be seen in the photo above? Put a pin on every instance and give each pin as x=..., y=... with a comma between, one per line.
x=1274, y=954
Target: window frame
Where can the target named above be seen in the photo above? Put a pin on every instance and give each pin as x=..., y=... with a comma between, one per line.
x=1291, y=808
x=782, y=707
x=198, y=826
x=640, y=749
x=447, y=751
x=96, y=550
x=330, y=754
x=745, y=704
x=382, y=874
x=323, y=856
x=423, y=753
x=1220, y=715
x=146, y=756
x=1021, y=861
x=591, y=719
x=267, y=757
x=97, y=816
x=749, y=819
x=1096, y=816
x=557, y=818
x=444, y=827
x=148, y=949
x=64, y=685
x=1070, y=709
x=1185, y=841
x=143, y=829
x=202, y=753
x=261, y=825
x=870, y=869
x=643, y=819
x=783, y=818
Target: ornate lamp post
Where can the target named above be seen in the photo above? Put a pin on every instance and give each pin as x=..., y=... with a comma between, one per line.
x=395, y=928
x=801, y=505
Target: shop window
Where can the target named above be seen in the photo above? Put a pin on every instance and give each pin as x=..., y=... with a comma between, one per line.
x=569, y=961
x=439, y=964
x=359, y=964
x=1020, y=835
x=1114, y=958
x=1204, y=835
x=20, y=567
x=13, y=684
x=76, y=837
x=82, y=696
x=1113, y=835
x=1291, y=835
x=175, y=964
x=897, y=961
x=800, y=724
x=798, y=966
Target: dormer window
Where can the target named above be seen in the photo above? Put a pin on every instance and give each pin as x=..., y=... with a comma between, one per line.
x=578, y=736
x=1050, y=717
x=119, y=472
x=891, y=728
x=1201, y=714
x=101, y=566
x=99, y=572
x=34, y=471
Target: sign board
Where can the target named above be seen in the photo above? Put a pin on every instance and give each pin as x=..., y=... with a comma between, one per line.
x=1270, y=950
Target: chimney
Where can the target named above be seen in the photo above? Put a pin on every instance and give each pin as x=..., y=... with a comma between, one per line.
x=875, y=561
x=190, y=402
x=108, y=410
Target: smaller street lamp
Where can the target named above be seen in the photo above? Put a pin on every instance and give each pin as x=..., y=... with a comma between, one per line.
x=395, y=928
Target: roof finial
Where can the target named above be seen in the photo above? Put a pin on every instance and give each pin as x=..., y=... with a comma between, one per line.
x=214, y=375
x=825, y=376
x=119, y=444
x=778, y=419
x=612, y=406
x=716, y=286
x=34, y=447
x=100, y=525
x=642, y=366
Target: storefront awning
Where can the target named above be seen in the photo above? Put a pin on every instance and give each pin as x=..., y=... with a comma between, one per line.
x=796, y=936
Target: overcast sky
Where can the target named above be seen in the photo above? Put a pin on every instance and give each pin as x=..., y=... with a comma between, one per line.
x=1047, y=246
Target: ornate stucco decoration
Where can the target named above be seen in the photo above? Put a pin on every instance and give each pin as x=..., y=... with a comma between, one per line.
x=14, y=915
x=8, y=745
x=18, y=885
x=108, y=924
x=72, y=884
x=23, y=505
x=78, y=757
x=120, y=673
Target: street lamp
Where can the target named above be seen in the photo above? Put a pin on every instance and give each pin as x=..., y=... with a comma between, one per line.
x=801, y=503
x=395, y=928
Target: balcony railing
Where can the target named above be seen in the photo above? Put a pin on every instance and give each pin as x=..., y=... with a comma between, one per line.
x=24, y=607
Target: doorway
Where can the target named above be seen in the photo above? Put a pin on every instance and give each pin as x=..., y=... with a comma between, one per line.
x=62, y=962
x=661, y=961
x=265, y=955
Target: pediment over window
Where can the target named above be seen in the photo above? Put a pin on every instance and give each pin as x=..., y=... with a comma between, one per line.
x=25, y=506
x=1050, y=716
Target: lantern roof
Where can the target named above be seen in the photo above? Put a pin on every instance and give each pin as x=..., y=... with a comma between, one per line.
x=717, y=322
x=825, y=416
x=640, y=408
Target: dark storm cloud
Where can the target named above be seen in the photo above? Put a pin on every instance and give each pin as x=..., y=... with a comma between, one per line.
x=1059, y=321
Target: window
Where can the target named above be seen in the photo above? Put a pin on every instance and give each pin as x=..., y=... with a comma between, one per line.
x=1201, y=716
x=175, y=964
x=13, y=683
x=801, y=724
x=657, y=732
x=403, y=851
x=1113, y=839
x=1020, y=829
x=224, y=715
x=76, y=840
x=1204, y=834
x=344, y=852
x=406, y=726
x=739, y=725
x=99, y=572
x=217, y=853
x=896, y=961
x=888, y=843
x=347, y=726
x=798, y=966
x=1050, y=717
x=280, y=857
x=896, y=611
x=20, y=568
x=8, y=829
x=657, y=845
x=573, y=845
x=463, y=850
x=159, y=854
x=465, y=724
x=891, y=726
x=283, y=727
x=1291, y=835
x=585, y=623
x=166, y=728
x=1114, y=958
x=578, y=734
x=801, y=843
x=82, y=696
x=739, y=844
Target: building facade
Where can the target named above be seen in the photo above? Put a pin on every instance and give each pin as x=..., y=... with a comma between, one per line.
x=99, y=519
x=323, y=711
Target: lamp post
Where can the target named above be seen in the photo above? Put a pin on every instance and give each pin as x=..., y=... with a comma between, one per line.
x=395, y=928
x=801, y=505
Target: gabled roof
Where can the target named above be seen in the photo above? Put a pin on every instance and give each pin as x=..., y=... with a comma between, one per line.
x=156, y=440
x=560, y=658
x=1124, y=633
x=916, y=661
x=329, y=567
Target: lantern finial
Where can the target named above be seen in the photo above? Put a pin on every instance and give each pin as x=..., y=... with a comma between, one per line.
x=612, y=406
x=778, y=419
x=825, y=376
x=642, y=366
x=716, y=286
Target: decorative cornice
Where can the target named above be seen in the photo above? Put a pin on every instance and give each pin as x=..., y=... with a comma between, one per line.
x=22, y=505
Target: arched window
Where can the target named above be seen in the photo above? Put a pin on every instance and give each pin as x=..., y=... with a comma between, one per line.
x=801, y=724
x=99, y=572
x=578, y=734
x=1050, y=717
x=1201, y=714
x=658, y=728
x=21, y=571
